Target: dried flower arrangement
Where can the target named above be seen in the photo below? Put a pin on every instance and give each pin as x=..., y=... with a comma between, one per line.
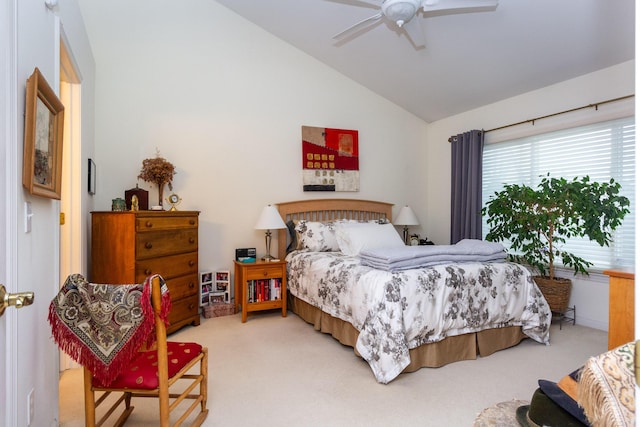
x=159, y=171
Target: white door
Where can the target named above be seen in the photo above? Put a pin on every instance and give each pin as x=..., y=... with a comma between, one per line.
x=8, y=137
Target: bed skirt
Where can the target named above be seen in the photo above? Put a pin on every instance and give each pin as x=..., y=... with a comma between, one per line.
x=434, y=355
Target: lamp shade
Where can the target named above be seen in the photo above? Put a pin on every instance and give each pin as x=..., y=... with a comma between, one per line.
x=270, y=219
x=406, y=217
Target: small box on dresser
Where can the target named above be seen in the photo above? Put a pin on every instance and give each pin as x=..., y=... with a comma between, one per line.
x=126, y=247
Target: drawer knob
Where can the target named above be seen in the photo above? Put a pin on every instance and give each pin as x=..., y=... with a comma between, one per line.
x=192, y=240
x=191, y=306
x=192, y=221
x=148, y=245
x=147, y=272
x=192, y=285
x=265, y=273
x=149, y=224
x=191, y=263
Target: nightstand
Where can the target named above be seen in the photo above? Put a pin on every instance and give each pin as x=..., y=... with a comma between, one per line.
x=261, y=286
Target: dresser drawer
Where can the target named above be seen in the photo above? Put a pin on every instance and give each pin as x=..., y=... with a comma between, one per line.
x=168, y=267
x=183, y=286
x=183, y=308
x=149, y=223
x=161, y=243
x=264, y=272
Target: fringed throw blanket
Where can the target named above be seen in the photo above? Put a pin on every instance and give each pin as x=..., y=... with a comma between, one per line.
x=103, y=326
x=607, y=386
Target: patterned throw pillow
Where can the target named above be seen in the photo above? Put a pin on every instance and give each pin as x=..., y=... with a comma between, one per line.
x=316, y=236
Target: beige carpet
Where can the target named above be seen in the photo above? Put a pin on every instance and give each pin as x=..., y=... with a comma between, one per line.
x=279, y=371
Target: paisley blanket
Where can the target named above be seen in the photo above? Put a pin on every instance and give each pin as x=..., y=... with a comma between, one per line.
x=398, y=311
x=607, y=386
x=102, y=326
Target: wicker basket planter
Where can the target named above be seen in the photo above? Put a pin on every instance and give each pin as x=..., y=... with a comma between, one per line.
x=556, y=291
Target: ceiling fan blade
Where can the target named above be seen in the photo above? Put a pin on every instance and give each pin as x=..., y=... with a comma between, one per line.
x=360, y=3
x=460, y=5
x=356, y=27
x=414, y=31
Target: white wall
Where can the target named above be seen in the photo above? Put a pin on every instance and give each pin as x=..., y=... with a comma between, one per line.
x=224, y=101
x=37, y=262
x=591, y=295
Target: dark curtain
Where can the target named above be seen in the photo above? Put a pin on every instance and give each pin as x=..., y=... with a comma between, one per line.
x=466, y=185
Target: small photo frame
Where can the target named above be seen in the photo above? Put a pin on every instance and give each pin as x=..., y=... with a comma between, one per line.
x=206, y=277
x=206, y=286
x=216, y=299
x=43, y=128
x=92, y=177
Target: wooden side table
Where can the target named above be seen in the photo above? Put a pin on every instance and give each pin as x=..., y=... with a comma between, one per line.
x=261, y=286
x=621, y=307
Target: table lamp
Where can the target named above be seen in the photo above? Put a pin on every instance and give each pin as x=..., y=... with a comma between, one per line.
x=406, y=217
x=270, y=219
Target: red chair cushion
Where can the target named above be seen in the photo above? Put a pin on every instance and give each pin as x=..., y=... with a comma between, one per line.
x=142, y=372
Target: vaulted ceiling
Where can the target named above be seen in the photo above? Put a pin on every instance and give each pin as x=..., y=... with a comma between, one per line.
x=469, y=59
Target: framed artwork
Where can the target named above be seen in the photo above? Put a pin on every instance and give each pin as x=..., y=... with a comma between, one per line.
x=43, y=127
x=92, y=177
x=330, y=159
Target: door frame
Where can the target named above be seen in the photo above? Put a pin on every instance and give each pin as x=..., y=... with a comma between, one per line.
x=8, y=215
x=71, y=233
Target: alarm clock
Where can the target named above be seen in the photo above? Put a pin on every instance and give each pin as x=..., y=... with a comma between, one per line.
x=414, y=240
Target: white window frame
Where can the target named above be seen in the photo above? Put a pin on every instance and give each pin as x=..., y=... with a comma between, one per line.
x=506, y=170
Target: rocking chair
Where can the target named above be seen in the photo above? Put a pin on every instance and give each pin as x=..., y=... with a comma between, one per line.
x=152, y=373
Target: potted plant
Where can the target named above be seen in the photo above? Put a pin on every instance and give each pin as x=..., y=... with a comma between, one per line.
x=159, y=171
x=537, y=221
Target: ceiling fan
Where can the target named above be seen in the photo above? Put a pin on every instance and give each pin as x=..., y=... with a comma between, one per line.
x=402, y=12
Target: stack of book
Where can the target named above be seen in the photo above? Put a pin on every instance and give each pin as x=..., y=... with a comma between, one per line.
x=264, y=290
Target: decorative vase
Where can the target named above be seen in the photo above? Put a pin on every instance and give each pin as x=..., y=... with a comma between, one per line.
x=556, y=291
x=160, y=190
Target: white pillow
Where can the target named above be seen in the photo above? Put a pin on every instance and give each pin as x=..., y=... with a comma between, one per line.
x=354, y=238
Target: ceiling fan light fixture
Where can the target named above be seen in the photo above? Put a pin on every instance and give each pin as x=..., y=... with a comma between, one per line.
x=400, y=11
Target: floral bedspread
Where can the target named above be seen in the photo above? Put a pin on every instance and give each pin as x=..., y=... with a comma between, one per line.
x=395, y=312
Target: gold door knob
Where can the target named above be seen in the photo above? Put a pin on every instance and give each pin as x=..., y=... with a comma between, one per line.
x=17, y=300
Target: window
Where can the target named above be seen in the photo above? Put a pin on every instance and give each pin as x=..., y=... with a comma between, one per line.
x=602, y=151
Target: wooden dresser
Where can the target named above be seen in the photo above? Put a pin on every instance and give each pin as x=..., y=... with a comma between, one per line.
x=126, y=247
x=621, y=307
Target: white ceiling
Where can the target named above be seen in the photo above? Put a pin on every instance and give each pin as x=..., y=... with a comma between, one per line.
x=469, y=60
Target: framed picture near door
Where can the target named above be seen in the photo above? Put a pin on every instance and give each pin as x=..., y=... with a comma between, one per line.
x=43, y=127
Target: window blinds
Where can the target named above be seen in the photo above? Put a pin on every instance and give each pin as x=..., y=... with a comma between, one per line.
x=602, y=151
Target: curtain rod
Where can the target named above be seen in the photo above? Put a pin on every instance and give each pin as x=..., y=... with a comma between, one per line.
x=453, y=138
x=562, y=112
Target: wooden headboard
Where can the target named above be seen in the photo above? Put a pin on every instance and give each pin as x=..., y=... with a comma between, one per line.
x=324, y=210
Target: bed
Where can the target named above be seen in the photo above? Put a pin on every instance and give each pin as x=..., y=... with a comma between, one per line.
x=388, y=316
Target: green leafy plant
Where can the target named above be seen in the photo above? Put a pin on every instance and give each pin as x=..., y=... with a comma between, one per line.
x=538, y=221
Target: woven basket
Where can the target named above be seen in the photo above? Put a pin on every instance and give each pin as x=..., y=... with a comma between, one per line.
x=556, y=291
